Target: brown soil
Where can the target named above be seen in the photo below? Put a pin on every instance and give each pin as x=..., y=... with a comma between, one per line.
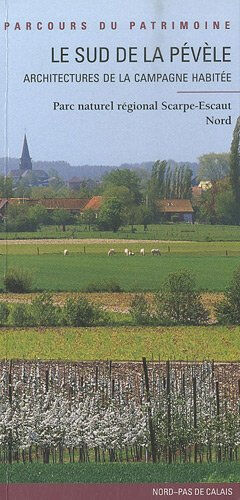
x=117, y=302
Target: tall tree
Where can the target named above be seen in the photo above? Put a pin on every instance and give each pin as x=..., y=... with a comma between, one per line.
x=62, y=217
x=168, y=182
x=213, y=167
x=174, y=183
x=89, y=218
x=158, y=177
x=235, y=165
x=110, y=216
x=178, y=188
x=187, y=184
x=125, y=178
x=6, y=187
x=144, y=216
x=225, y=207
x=157, y=183
x=24, y=218
x=23, y=190
x=131, y=216
x=122, y=193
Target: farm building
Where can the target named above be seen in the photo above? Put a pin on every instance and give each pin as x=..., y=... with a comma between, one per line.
x=94, y=204
x=73, y=205
x=181, y=210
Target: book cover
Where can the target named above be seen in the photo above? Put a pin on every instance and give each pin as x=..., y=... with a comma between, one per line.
x=119, y=249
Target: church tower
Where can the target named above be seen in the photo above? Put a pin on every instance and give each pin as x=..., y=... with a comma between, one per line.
x=25, y=160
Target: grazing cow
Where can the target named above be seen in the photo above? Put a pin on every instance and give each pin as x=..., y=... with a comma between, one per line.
x=142, y=251
x=155, y=251
x=66, y=252
x=131, y=253
x=126, y=252
x=111, y=252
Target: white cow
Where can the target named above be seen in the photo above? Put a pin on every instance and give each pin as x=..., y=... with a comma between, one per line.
x=128, y=252
x=142, y=251
x=155, y=251
x=66, y=252
x=111, y=252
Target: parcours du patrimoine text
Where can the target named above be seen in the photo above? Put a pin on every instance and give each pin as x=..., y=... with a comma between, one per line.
x=185, y=53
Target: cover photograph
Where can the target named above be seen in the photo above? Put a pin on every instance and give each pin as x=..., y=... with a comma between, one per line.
x=119, y=249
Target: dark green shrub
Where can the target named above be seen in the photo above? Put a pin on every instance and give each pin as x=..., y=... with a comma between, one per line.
x=110, y=216
x=228, y=310
x=79, y=312
x=178, y=302
x=44, y=312
x=175, y=218
x=140, y=311
x=20, y=315
x=104, y=286
x=18, y=281
x=4, y=313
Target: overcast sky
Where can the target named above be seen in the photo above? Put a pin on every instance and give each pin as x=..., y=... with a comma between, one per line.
x=112, y=138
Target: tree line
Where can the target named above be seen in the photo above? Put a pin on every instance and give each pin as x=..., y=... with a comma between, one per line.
x=131, y=197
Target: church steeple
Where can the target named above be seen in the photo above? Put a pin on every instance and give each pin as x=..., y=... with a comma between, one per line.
x=25, y=160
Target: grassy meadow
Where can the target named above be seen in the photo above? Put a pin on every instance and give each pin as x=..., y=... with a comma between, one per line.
x=121, y=343
x=100, y=247
x=174, y=232
x=73, y=273
x=213, y=263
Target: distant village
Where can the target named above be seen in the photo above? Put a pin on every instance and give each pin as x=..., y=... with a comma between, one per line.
x=168, y=194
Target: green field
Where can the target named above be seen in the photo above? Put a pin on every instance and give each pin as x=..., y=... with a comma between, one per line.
x=121, y=343
x=75, y=272
x=120, y=473
x=213, y=263
x=181, y=231
x=101, y=247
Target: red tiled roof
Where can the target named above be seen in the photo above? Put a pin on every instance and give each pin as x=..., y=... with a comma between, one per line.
x=94, y=204
x=20, y=201
x=63, y=203
x=53, y=203
x=175, y=206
